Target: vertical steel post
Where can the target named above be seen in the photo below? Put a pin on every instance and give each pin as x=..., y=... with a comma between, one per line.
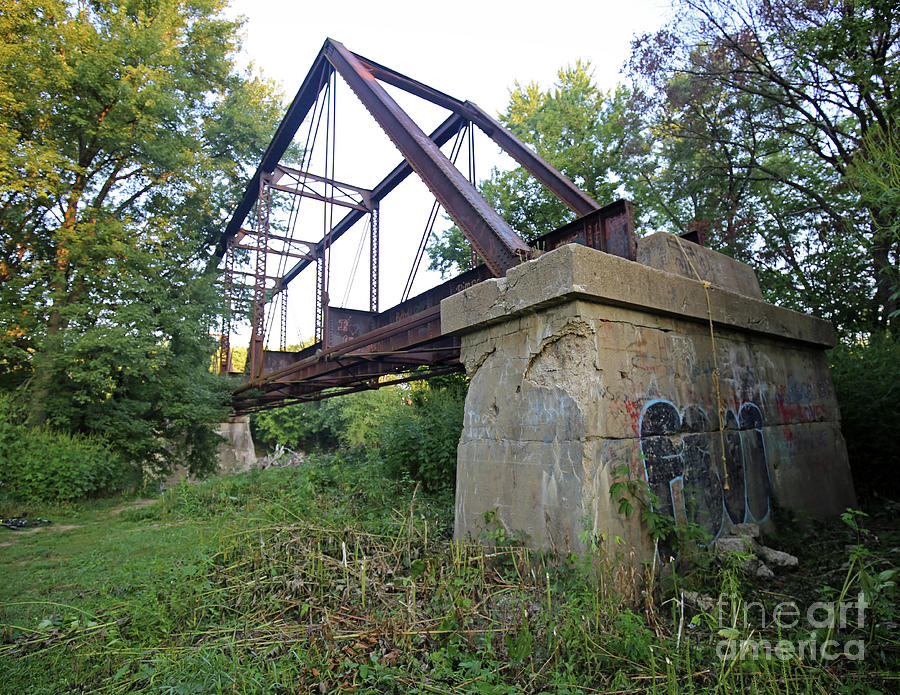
x=320, y=298
x=258, y=336
x=374, y=225
x=225, y=338
x=282, y=343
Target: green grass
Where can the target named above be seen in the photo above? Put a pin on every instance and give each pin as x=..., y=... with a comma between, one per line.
x=328, y=578
x=100, y=561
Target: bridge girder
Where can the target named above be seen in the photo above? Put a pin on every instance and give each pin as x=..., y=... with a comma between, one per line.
x=496, y=242
x=408, y=336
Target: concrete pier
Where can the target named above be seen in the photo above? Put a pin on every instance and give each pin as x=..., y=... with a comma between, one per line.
x=585, y=366
x=237, y=453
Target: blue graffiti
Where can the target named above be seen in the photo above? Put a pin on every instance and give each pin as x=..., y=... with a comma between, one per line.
x=677, y=451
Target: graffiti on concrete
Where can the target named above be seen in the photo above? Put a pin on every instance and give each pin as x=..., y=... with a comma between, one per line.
x=677, y=449
x=756, y=469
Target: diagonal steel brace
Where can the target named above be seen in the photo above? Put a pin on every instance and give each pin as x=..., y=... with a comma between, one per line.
x=490, y=235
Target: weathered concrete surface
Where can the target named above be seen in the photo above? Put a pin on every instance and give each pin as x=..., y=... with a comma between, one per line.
x=570, y=272
x=664, y=252
x=236, y=453
x=585, y=365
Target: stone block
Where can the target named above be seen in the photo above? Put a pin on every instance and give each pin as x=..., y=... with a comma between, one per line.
x=668, y=253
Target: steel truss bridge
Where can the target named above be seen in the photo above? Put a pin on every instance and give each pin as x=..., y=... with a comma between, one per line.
x=353, y=349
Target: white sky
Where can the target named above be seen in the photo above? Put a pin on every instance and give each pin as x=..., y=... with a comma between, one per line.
x=470, y=50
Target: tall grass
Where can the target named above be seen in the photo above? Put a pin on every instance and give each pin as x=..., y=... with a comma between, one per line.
x=326, y=579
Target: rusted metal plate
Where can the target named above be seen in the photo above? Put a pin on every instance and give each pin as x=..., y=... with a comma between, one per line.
x=609, y=229
x=695, y=236
x=617, y=230
x=348, y=324
x=274, y=360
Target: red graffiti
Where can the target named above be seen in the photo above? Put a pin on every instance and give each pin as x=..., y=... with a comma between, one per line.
x=634, y=409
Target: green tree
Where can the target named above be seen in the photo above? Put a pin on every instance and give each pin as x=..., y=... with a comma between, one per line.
x=419, y=438
x=692, y=168
x=866, y=374
x=353, y=420
x=125, y=136
x=809, y=92
x=578, y=129
x=302, y=426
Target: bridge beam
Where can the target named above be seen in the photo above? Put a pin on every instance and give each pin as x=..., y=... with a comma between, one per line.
x=306, y=96
x=441, y=135
x=493, y=239
x=573, y=197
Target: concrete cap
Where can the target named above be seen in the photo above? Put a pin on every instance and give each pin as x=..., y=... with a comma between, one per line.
x=575, y=272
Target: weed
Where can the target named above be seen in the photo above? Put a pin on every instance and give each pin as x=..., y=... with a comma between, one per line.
x=326, y=578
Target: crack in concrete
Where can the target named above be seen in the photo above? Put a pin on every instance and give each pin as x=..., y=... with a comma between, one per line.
x=581, y=329
x=480, y=361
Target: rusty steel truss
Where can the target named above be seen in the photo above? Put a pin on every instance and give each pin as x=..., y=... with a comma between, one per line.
x=356, y=350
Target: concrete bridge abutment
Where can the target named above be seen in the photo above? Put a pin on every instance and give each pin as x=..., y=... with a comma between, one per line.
x=585, y=366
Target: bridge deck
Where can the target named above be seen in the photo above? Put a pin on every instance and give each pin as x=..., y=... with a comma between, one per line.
x=364, y=350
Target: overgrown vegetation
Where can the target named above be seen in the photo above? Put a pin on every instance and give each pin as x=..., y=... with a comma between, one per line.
x=324, y=578
x=126, y=136
x=301, y=427
x=419, y=439
x=38, y=463
x=867, y=382
x=414, y=429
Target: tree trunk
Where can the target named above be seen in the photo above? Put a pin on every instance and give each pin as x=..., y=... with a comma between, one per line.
x=887, y=277
x=42, y=380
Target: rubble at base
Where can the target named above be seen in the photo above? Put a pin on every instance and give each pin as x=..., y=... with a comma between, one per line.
x=743, y=539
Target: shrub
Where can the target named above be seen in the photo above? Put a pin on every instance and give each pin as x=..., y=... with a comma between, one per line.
x=420, y=439
x=415, y=429
x=304, y=426
x=365, y=414
x=353, y=420
x=41, y=464
x=867, y=382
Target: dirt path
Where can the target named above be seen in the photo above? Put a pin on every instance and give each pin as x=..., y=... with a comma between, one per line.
x=10, y=537
x=134, y=504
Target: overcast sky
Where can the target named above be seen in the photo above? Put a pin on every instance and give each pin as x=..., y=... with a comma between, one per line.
x=470, y=50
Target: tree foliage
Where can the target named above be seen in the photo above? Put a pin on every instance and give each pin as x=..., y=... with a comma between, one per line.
x=866, y=376
x=771, y=126
x=575, y=127
x=782, y=109
x=413, y=428
x=125, y=136
x=354, y=420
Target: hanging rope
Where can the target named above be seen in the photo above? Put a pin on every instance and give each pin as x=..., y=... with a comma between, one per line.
x=720, y=405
